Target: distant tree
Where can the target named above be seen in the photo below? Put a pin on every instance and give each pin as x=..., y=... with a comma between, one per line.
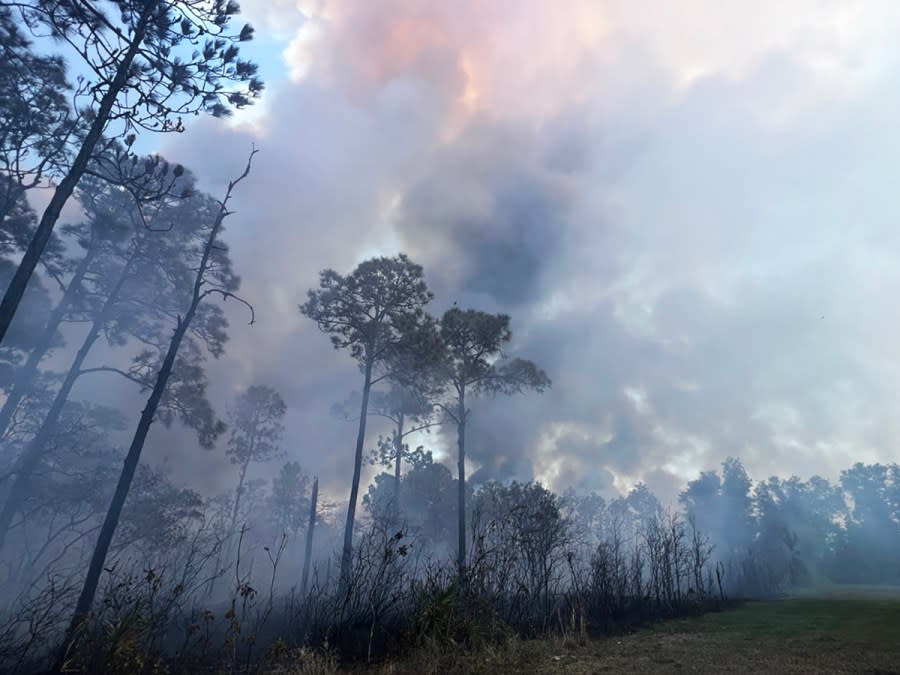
x=66, y=494
x=429, y=494
x=16, y=230
x=211, y=277
x=256, y=429
x=701, y=500
x=25, y=331
x=289, y=498
x=644, y=507
x=472, y=342
x=737, y=506
x=796, y=522
x=586, y=514
x=410, y=410
x=723, y=507
x=376, y=312
x=870, y=547
x=159, y=515
x=146, y=64
x=701, y=491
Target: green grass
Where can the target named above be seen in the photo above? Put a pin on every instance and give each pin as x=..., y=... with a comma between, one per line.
x=851, y=620
x=831, y=630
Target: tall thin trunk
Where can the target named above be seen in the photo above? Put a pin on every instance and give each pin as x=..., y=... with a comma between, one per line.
x=311, y=526
x=66, y=187
x=227, y=539
x=98, y=559
x=225, y=551
x=32, y=454
x=237, y=497
x=461, y=487
x=398, y=458
x=25, y=377
x=347, y=553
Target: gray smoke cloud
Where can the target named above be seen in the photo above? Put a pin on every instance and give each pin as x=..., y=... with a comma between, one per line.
x=694, y=237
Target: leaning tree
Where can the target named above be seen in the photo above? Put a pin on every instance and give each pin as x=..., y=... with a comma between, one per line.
x=138, y=282
x=473, y=344
x=144, y=65
x=113, y=226
x=376, y=312
x=211, y=277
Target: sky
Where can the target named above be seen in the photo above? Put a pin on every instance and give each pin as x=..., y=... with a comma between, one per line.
x=687, y=207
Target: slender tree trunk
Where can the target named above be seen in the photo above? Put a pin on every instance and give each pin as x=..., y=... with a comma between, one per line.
x=347, y=553
x=98, y=559
x=226, y=546
x=398, y=458
x=310, y=529
x=461, y=487
x=24, y=378
x=66, y=187
x=29, y=459
x=237, y=497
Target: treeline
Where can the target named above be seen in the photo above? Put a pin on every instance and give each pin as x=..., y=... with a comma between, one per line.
x=783, y=533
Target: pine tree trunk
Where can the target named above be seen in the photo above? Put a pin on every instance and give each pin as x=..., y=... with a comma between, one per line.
x=225, y=551
x=307, y=557
x=347, y=553
x=398, y=458
x=461, y=487
x=98, y=559
x=237, y=498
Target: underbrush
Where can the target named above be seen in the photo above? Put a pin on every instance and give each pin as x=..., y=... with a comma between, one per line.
x=394, y=605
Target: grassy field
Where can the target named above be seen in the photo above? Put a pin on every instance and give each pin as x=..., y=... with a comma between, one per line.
x=838, y=630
